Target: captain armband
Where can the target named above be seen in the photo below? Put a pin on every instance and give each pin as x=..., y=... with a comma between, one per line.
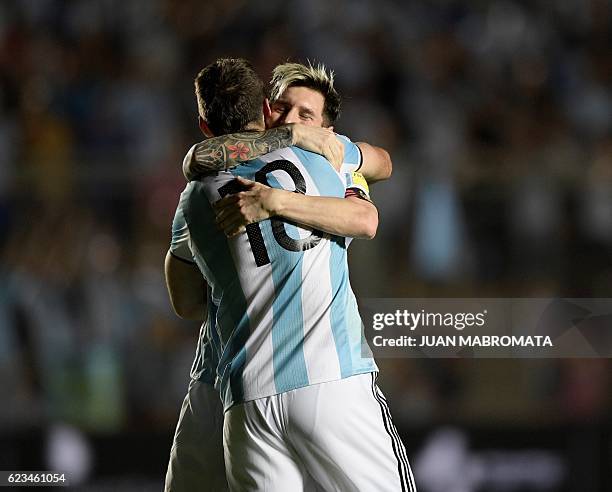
x=356, y=185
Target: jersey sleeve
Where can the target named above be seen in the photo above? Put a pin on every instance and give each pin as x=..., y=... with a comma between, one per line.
x=179, y=244
x=352, y=155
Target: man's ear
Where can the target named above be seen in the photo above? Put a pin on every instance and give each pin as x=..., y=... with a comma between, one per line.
x=266, y=109
x=204, y=128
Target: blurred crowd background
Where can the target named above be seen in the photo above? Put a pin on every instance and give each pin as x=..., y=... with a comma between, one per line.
x=498, y=117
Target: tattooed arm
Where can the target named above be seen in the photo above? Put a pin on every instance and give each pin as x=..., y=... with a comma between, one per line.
x=228, y=151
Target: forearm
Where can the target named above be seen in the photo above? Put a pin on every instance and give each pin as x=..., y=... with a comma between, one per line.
x=349, y=217
x=227, y=151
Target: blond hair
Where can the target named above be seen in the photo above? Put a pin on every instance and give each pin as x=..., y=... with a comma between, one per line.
x=314, y=77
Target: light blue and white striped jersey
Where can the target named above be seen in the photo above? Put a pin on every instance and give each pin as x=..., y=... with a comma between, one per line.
x=286, y=316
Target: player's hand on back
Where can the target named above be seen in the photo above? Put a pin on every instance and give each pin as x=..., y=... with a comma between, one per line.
x=321, y=141
x=255, y=203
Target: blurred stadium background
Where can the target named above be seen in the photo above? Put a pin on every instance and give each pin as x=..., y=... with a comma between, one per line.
x=498, y=116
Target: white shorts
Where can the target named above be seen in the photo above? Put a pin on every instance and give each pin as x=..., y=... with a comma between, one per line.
x=196, y=457
x=335, y=436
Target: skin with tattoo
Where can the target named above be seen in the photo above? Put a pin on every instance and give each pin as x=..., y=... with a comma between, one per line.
x=234, y=149
x=227, y=151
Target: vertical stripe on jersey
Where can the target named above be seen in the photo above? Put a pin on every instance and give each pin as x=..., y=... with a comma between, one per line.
x=232, y=317
x=328, y=186
x=288, y=328
x=259, y=291
x=320, y=352
x=319, y=343
x=340, y=326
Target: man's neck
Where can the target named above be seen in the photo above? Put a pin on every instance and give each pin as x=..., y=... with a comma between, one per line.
x=254, y=127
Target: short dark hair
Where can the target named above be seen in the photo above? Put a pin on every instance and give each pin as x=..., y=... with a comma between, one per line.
x=230, y=95
x=313, y=77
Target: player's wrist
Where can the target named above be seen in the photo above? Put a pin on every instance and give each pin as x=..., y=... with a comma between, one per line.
x=276, y=202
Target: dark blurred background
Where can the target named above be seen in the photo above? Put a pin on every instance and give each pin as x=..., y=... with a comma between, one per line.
x=498, y=116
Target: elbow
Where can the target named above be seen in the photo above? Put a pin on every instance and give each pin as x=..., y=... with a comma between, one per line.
x=370, y=230
x=388, y=167
x=384, y=167
x=370, y=223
